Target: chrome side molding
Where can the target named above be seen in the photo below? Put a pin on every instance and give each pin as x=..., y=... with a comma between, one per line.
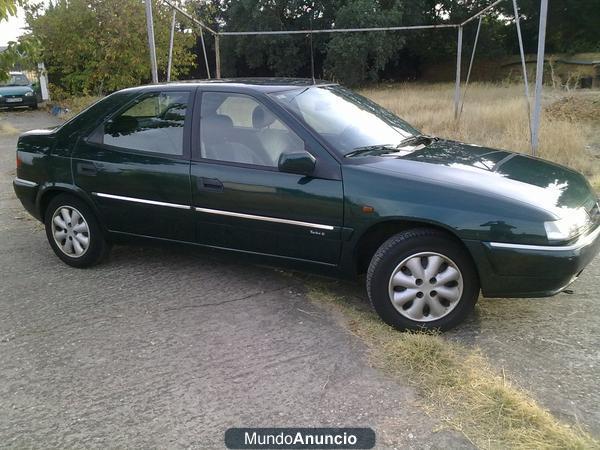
x=583, y=242
x=140, y=200
x=265, y=218
x=217, y=211
x=26, y=183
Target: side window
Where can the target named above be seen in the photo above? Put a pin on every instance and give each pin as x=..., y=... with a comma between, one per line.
x=237, y=128
x=153, y=124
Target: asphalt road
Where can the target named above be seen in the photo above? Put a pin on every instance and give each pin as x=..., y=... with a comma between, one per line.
x=165, y=347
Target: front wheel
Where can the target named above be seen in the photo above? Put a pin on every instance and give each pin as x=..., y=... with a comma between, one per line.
x=422, y=279
x=73, y=232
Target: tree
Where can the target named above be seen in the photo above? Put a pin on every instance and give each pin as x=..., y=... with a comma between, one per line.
x=357, y=57
x=99, y=46
x=22, y=51
x=8, y=8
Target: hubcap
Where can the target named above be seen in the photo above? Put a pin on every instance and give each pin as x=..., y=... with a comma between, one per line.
x=426, y=286
x=70, y=231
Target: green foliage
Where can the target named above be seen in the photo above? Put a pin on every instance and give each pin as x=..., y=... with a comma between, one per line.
x=356, y=57
x=8, y=8
x=98, y=46
x=23, y=52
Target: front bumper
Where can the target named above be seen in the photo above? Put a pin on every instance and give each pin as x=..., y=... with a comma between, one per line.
x=15, y=101
x=516, y=270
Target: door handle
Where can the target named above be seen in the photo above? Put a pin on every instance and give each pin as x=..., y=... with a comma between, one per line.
x=210, y=184
x=87, y=169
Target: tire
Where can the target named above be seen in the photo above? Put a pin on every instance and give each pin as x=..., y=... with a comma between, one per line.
x=421, y=301
x=62, y=225
x=34, y=107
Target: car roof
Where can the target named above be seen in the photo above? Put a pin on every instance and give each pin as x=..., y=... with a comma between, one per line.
x=258, y=84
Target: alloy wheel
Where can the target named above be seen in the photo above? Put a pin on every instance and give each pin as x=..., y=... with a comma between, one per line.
x=70, y=231
x=426, y=286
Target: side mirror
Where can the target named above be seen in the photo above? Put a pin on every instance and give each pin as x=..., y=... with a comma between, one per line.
x=301, y=163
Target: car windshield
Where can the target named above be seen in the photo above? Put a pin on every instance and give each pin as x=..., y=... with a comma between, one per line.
x=17, y=79
x=346, y=120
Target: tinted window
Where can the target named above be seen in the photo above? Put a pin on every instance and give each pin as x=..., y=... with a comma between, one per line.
x=152, y=124
x=237, y=128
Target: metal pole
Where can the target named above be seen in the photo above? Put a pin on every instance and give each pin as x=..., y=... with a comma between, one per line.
x=483, y=11
x=523, y=64
x=204, y=51
x=337, y=30
x=539, y=79
x=217, y=57
x=196, y=21
x=171, y=47
x=151, y=44
x=458, y=64
x=462, y=103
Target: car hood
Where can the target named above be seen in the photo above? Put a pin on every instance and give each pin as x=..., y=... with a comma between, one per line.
x=15, y=90
x=499, y=173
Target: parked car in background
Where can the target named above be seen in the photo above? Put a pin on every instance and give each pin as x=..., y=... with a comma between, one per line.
x=17, y=91
x=316, y=174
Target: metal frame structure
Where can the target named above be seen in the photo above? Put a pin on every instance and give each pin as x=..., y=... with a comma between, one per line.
x=534, y=118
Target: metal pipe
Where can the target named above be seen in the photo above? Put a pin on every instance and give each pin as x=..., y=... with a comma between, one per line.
x=539, y=78
x=199, y=22
x=217, y=57
x=524, y=66
x=151, y=44
x=205, y=56
x=171, y=47
x=458, y=64
x=462, y=103
x=483, y=11
x=335, y=30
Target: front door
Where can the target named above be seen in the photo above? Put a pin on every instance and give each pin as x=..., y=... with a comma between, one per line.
x=136, y=167
x=242, y=201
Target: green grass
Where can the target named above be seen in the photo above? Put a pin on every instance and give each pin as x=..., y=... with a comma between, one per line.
x=458, y=384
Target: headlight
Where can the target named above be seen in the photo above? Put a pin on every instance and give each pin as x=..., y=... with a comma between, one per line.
x=566, y=228
x=29, y=94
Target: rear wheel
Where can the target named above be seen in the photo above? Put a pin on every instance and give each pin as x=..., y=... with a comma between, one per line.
x=422, y=279
x=73, y=232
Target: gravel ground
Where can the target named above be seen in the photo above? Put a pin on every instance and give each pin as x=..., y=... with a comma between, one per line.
x=166, y=347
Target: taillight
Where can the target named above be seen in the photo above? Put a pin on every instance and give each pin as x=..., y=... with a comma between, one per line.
x=18, y=161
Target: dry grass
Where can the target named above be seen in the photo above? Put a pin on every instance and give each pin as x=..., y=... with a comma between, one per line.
x=74, y=105
x=458, y=384
x=7, y=129
x=494, y=116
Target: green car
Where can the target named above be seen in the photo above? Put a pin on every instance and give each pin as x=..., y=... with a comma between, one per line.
x=17, y=91
x=316, y=175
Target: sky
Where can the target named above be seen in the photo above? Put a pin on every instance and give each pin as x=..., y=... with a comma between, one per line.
x=11, y=29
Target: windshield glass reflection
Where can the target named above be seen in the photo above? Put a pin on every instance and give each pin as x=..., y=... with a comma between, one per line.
x=345, y=119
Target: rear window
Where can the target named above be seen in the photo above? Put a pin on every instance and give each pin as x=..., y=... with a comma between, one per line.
x=153, y=124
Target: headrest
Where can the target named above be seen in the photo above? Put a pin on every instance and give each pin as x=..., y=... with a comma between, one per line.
x=218, y=121
x=261, y=117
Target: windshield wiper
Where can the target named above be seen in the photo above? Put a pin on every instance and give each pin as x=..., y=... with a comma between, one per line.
x=372, y=150
x=417, y=139
x=384, y=149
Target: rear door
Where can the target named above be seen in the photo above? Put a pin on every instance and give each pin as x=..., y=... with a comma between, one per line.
x=242, y=201
x=136, y=166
